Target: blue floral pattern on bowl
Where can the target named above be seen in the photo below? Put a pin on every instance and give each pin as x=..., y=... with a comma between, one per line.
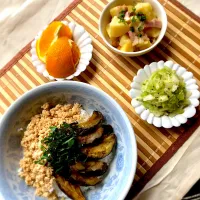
x=122, y=168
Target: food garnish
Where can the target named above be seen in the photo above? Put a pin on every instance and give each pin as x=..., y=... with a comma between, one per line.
x=61, y=149
x=57, y=50
x=140, y=28
x=164, y=93
x=132, y=29
x=141, y=16
x=72, y=151
x=138, y=22
x=121, y=16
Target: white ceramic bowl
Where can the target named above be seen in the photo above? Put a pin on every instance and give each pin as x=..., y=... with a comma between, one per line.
x=121, y=172
x=105, y=19
x=84, y=42
x=165, y=121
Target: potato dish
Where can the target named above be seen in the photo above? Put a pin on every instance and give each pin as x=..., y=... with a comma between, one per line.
x=63, y=150
x=133, y=27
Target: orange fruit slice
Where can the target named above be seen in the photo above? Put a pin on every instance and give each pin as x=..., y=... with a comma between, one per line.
x=55, y=30
x=59, y=59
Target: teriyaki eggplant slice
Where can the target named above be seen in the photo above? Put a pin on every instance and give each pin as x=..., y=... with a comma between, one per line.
x=101, y=150
x=90, y=168
x=91, y=137
x=93, y=121
x=85, y=180
x=71, y=190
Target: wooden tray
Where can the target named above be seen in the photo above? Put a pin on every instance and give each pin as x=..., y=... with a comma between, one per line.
x=113, y=74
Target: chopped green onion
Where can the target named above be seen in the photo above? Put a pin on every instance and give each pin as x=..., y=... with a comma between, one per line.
x=133, y=19
x=60, y=149
x=121, y=16
x=140, y=28
x=133, y=9
x=164, y=93
x=132, y=29
x=141, y=16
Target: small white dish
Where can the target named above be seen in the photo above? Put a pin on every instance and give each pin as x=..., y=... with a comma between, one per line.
x=164, y=121
x=105, y=19
x=83, y=41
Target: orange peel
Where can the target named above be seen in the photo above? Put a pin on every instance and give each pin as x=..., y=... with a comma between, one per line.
x=75, y=53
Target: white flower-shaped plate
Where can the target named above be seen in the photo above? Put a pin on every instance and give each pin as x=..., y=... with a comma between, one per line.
x=164, y=121
x=83, y=41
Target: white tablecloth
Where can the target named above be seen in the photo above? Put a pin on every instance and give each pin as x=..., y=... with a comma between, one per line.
x=21, y=20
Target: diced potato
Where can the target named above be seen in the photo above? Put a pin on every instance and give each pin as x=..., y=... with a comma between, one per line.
x=144, y=45
x=153, y=32
x=146, y=9
x=143, y=7
x=152, y=16
x=117, y=28
x=127, y=47
x=108, y=30
x=123, y=40
x=115, y=11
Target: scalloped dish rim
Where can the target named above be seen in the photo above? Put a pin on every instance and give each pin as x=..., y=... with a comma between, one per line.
x=38, y=64
x=164, y=121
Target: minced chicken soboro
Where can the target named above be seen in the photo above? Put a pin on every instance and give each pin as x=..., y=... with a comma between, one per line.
x=36, y=175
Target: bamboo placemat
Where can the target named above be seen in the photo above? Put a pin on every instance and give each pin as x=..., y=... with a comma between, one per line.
x=113, y=74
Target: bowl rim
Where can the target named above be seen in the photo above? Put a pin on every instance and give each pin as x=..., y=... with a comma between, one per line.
x=101, y=92
x=163, y=63
x=137, y=53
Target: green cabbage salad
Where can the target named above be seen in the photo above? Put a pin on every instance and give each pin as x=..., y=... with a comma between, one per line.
x=164, y=93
